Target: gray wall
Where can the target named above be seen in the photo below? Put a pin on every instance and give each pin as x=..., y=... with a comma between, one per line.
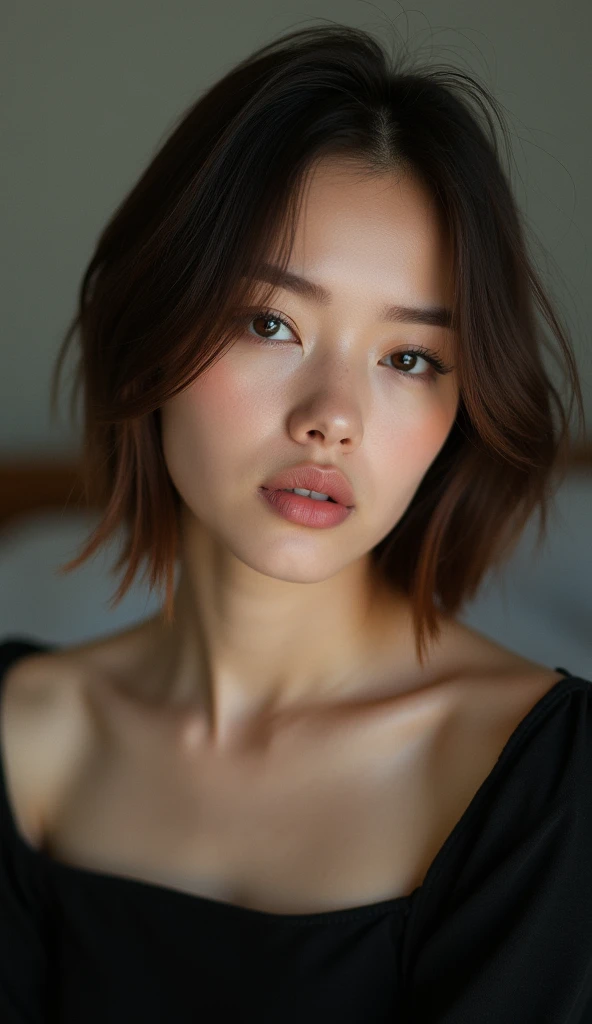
x=90, y=90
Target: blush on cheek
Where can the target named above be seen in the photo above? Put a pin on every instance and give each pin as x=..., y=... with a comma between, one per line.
x=424, y=433
x=210, y=431
x=434, y=435
x=224, y=393
x=415, y=448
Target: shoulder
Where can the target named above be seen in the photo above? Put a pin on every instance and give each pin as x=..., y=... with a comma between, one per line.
x=494, y=690
x=471, y=655
x=45, y=723
x=491, y=697
x=486, y=685
x=55, y=710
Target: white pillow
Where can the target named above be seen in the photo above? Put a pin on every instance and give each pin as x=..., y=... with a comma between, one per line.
x=36, y=602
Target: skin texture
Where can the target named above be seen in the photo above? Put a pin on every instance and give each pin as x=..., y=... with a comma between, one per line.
x=270, y=614
x=279, y=747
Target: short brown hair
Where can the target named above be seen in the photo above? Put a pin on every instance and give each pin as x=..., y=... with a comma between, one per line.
x=158, y=301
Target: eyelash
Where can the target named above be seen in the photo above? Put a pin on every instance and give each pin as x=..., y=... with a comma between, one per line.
x=437, y=364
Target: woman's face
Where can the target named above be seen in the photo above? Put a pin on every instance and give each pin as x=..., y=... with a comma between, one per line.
x=335, y=388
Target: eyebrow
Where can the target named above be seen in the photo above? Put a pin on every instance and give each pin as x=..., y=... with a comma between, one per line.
x=433, y=316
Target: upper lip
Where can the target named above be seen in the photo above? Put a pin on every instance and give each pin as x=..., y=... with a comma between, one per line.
x=312, y=477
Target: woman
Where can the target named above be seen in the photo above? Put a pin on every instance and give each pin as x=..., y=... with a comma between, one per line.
x=304, y=788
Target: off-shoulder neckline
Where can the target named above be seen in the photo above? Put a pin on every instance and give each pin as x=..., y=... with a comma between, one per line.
x=210, y=904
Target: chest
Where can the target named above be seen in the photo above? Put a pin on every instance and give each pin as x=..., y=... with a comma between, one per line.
x=329, y=817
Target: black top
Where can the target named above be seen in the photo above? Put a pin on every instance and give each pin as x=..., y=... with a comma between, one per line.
x=500, y=931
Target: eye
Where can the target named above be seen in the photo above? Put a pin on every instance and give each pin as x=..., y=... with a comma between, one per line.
x=436, y=365
x=269, y=317
x=409, y=358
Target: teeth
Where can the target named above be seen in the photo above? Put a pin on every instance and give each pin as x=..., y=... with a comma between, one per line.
x=317, y=495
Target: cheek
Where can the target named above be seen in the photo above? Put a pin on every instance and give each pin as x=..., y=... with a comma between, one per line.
x=220, y=393
x=205, y=428
x=426, y=440
x=414, y=443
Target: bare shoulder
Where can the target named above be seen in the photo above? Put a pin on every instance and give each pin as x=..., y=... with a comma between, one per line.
x=53, y=704
x=44, y=723
x=495, y=688
x=481, y=691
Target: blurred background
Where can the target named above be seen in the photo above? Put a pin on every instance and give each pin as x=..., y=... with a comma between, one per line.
x=89, y=93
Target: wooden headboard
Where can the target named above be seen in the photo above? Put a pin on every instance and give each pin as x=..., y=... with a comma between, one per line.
x=36, y=485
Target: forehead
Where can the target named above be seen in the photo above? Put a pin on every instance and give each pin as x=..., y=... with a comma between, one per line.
x=360, y=233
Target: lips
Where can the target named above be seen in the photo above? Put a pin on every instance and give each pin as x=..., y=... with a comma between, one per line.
x=312, y=477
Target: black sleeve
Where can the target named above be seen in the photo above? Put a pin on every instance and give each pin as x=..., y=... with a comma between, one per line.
x=23, y=957
x=508, y=937
x=23, y=949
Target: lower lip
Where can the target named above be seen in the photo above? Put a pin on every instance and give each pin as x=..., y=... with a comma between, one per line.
x=305, y=511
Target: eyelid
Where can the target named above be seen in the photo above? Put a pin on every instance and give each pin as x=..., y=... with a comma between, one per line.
x=272, y=314
x=437, y=364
